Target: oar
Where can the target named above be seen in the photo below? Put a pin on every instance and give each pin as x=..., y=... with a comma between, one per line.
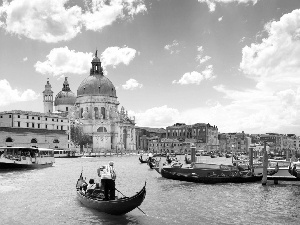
x=126, y=197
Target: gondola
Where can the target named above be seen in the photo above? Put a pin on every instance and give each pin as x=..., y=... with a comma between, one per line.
x=119, y=206
x=210, y=179
x=143, y=161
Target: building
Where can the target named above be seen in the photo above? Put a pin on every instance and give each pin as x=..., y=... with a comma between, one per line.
x=204, y=136
x=33, y=129
x=146, y=134
x=95, y=109
x=234, y=142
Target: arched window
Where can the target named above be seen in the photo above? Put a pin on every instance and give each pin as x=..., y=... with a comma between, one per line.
x=81, y=112
x=55, y=141
x=33, y=140
x=96, y=112
x=102, y=130
x=103, y=112
x=9, y=139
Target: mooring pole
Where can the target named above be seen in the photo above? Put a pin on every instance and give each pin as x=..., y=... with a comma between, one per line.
x=251, y=159
x=265, y=165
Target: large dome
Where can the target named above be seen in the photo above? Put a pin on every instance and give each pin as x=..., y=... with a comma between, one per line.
x=96, y=84
x=65, y=98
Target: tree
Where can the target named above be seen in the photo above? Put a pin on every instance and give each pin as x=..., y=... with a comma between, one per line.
x=79, y=138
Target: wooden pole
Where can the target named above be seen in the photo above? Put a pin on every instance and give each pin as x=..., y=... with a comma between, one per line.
x=251, y=159
x=193, y=154
x=265, y=166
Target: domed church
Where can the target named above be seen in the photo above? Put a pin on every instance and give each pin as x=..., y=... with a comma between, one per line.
x=96, y=109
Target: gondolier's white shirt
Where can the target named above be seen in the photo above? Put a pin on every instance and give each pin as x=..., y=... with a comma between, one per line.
x=108, y=172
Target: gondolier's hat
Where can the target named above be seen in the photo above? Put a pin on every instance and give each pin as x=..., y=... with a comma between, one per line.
x=111, y=163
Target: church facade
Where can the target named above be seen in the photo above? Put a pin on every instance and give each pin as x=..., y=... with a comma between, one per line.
x=95, y=109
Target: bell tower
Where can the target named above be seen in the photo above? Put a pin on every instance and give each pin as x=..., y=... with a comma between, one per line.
x=96, y=66
x=48, y=98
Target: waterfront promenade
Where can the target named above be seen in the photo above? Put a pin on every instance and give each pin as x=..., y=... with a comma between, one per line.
x=48, y=196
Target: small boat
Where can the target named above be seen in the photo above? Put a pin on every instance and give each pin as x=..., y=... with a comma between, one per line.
x=118, y=206
x=143, y=161
x=213, y=156
x=228, y=155
x=192, y=177
x=25, y=157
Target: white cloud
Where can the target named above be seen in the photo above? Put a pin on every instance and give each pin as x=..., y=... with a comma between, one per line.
x=132, y=84
x=112, y=56
x=54, y=21
x=212, y=3
x=48, y=21
x=25, y=59
x=220, y=18
x=9, y=95
x=199, y=57
x=157, y=117
x=196, y=77
x=274, y=104
x=62, y=60
x=173, y=47
x=275, y=62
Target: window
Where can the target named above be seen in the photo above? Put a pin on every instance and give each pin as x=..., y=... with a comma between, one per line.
x=9, y=116
x=57, y=127
x=67, y=108
x=39, y=125
x=39, y=118
x=53, y=120
x=32, y=125
x=27, y=117
x=27, y=124
x=46, y=126
x=61, y=127
x=33, y=117
x=1, y=116
x=61, y=121
x=18, y=116
x=46, y=119
x=18, y=124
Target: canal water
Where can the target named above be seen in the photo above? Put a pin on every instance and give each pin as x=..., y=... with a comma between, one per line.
x=47, y=196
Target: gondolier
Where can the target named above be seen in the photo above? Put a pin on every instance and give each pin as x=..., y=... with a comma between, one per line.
x=108, y=175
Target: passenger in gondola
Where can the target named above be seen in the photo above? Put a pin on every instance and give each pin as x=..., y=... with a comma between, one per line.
x=90, y=187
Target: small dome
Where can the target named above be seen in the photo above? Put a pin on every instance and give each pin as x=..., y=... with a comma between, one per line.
x=96, y=84
x=96, y=59
x=65, y=98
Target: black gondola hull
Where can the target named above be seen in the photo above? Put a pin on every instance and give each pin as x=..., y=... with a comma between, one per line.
x=114, y=207
x=209, y=180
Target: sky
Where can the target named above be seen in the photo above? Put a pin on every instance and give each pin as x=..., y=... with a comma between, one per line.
x=231, y=63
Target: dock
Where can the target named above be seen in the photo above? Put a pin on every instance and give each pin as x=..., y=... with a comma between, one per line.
x=284, y=178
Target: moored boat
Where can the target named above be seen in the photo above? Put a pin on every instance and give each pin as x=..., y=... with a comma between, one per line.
x=201, y=169
x=192, y=177
x=118, y=206
x=25, y=157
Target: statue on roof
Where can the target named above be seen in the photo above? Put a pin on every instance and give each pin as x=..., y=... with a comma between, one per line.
x=96, y=53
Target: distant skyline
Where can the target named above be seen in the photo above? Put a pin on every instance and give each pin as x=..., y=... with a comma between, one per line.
x=231, y=63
